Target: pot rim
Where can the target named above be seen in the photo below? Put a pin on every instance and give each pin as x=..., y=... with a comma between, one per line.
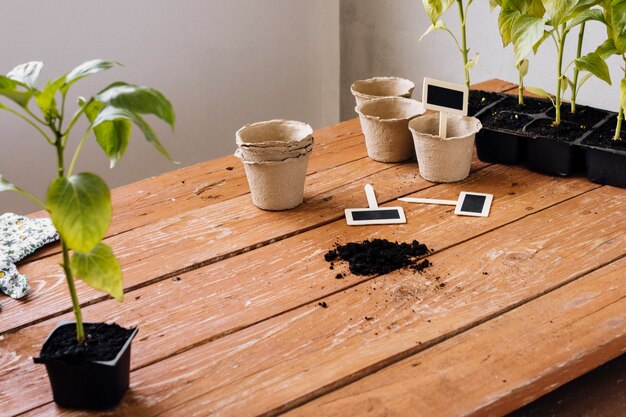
x=390, y=99
x=356, y=84
x=113, y=362
x=307, y=128
x=477, y=126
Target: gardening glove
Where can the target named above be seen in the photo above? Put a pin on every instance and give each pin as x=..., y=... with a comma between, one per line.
x=19, y=237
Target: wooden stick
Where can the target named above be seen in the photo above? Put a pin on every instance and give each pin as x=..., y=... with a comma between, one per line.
x=443, y=124
x=429, y=201
x=371, y=196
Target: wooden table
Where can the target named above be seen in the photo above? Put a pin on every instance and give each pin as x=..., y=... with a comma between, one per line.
x=227, y=296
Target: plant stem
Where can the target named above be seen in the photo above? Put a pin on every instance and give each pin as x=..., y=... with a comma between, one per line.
x=30, y=122
x=80, y=330
x=30, y=197
x=560, y=50
x=581, y=35
x=520, y=89
x=620, y=115
x=464, y=50
x=78, y=149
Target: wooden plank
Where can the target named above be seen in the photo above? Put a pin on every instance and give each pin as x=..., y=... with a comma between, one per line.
x=490, y=370
x=310, y=350
x=211, y=182
x=217, y=300
x=199, y=237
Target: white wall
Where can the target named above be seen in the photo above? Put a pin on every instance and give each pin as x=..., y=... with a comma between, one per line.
x=221, y=63
x=380, y=37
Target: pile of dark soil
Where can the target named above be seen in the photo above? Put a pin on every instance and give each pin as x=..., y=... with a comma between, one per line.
x=379, y=256
x=505, y=120
x=566, y=131
x=103, y=343
x=479, y=99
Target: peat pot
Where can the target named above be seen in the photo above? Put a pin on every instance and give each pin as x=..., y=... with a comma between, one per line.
x=91, y=384
x=385, y=125
x=377, y=87
x=449, y=159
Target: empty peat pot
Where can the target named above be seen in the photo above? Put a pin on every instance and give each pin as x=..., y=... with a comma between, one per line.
x=275, y=155
x=385, y=125
x=377, y=87
x=92, y=385
x=449, y=159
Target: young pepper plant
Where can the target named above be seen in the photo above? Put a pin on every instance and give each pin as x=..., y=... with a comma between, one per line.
x=435, y=9
x=614, y=12
x=80, y=204
x=521, y=23
x=562, y=17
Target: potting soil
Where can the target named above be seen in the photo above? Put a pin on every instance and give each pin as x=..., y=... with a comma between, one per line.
x=102, y=343
x=379, y=256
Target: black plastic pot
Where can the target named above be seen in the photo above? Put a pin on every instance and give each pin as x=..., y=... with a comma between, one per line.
x=500, y=146
x=552, y=157
x=606, y=166
x=96, y=385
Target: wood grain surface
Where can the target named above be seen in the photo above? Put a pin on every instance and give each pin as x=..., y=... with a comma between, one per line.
x=227, y=296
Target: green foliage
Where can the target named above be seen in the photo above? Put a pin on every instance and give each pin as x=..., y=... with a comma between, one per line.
x=80, y=208
x=100, y=269
x=80, y=204
x=435, y=9
x=594, y=63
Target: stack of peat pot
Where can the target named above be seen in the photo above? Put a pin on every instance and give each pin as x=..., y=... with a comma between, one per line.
x=275, y=155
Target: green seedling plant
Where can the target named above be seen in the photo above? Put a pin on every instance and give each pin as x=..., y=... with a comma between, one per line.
x=562, y=17
x=614, y=13
x=80, y=204
x=521, y=23
x=435, y=9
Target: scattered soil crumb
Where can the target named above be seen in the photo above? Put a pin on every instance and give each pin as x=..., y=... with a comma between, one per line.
x=368, y=318
x=379, y=256
x=485, y=273
x=229, y=168
x=176, y=279
x=322, y=304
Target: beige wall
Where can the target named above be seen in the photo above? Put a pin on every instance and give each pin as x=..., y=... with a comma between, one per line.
x=222, y=64
x=380, y=37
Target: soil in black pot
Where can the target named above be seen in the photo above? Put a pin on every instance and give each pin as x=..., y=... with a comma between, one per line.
x=102, y=343
x=479, y=99
x=379, y=256
x=566, y=131
x=531, y=105
x=584, y=116
x=603, y=136
x=504, y=120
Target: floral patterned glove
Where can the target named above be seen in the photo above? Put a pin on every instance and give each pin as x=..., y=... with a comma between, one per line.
x=19, y=237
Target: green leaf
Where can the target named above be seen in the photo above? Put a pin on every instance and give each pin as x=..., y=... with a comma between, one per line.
x=536, y=46
x=494, y=3
x=472, y=62
x=594, y=63
x=606, y=49
x=585, y=16
x=541, y=93
x=618, y=24
x=527, y=31
x=583, y=80
x=439, y=25
x=26, y=73
x=583, y=6
x=45, y=100
x=565, y=82
x=85, y=69
x=138, y=99
x=80, y=208
x=536, y=8
x=622, y=93
x=111, y=113
x=558, y=10
x=506, y=18
x=113, y=136
x=17, y=92
x=436, y=8
x=100, y=269
x=522, y=67
x=6, y=185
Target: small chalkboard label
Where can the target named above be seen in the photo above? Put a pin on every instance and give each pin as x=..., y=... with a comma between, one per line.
x=445, y=97
x=473, y=204
x=380, y=215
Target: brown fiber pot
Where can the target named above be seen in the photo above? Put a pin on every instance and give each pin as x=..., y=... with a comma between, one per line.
x=385, y=125
x=444, y=160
